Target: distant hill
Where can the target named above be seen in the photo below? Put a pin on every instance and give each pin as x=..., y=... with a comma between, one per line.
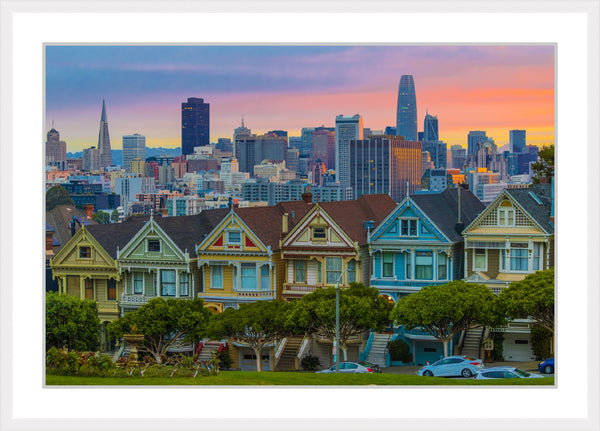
x=117, y=155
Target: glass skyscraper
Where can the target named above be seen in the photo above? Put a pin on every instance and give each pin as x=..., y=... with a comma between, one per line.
x=406, y=114
x=195, y=125
x=517, y=141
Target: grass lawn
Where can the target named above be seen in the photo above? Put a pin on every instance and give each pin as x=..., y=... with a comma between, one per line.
x=240, y=378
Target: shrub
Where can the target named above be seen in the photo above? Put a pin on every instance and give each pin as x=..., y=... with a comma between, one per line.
x=310, y=363
x=225, y=360
x=498, y=353
x=399, y=351
x=541, y=338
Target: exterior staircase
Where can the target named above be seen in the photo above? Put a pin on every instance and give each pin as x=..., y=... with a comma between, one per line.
x=208, y=349
x=377, y=354
x=472, y=342
x=287, y=361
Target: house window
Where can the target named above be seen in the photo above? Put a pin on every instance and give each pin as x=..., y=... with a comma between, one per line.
x=167, y=282
x=248, y=276
x=388, y=264
x=480, y=259
x=408, y=266
x=519, y=257
x=537, y=256
x=234, y=275
x=184, y=284
x=154, y=245
x=85, y=252
x=424, y=265
x=234, y=237
x=300, y=271
x=506, y=214
x=334, y=269
x=351, y=271
x=442, y=266
x=408, y=227
x=89, y=288
x=319, y=233
x=138, y=283
x=319, y=272
x=216, y=277
x=265, y=278
x=111, y=292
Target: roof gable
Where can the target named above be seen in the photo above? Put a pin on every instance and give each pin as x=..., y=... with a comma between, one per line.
x=151, y=242
x=232, y=234
x=70, y=255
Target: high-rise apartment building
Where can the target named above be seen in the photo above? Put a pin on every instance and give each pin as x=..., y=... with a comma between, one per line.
x=250, y=150
x=406, y=113
x=385, y=164
x=134, y=147
x=517, y=141
x=195, y=124
x=323, y=147
x=138, y=166
x=91, y=159
x=346, y=129
x=104, y=140
x=56, y=150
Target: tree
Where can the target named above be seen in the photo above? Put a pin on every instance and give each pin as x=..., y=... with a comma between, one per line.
x=165, y=324
x=446, y=309
x=114, y=216
x=531, y=297
x=361, y=309
x=71, y=322
x=544, y=167
x=57, y=195
x=257, y=324
x=102, y=217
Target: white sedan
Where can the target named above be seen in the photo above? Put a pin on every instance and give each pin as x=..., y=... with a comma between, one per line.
x=505, y=373
x=452, y=366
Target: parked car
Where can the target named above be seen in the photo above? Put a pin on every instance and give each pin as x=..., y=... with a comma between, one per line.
x=546, y=366
x=452, y=366
x=505, y=373
x=374, y=367
x=353, y=367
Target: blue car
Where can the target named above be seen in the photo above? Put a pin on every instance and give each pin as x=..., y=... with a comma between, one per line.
x=546, y=366
x=452, y=366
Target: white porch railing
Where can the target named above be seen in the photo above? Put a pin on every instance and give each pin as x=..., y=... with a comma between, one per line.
x=303, y=347
x=279, y=351
x=139, y=300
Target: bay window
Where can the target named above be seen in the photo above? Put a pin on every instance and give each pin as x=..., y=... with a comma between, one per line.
x=388, y=264
x=334, y=269
x=138, y=283
x=265, y=278
x=480, y=259
x=351, y=271
x=216, y=277
x=424, y=265
x=300, y=271
x=249, y=276
x=184, y=284
x=519, y=257
x=167, y=282
x=442, y=266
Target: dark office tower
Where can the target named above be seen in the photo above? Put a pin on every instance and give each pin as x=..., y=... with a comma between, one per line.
x=384, y=164
x=104, y=140
x=195, y=125
x=430, y=128
x=517, y=141
x=475, y=138
x=406, y=114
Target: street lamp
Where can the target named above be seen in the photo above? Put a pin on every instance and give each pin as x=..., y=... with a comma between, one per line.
x=337, y=322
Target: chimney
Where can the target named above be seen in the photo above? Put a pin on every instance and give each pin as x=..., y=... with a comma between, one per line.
x=88, y=210
x=284, y=223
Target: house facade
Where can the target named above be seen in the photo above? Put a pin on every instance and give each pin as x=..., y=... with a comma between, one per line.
x=512, y=238
x=420, y=244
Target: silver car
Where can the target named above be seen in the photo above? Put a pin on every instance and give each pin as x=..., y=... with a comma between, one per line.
x=349, y=367
x=452, y=366
x=505, y=373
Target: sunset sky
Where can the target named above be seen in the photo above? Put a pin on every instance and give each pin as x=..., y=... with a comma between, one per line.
x=468, y=87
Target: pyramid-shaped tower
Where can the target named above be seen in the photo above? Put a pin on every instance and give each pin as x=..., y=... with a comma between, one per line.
x=104, y=140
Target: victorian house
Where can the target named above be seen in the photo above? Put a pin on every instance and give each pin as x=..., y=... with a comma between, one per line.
x=512, y=238
x=420, y=244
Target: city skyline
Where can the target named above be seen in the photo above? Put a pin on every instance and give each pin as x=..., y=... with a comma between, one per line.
x=468, y=87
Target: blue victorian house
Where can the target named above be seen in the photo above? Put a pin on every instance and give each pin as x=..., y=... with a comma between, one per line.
x=420, y=244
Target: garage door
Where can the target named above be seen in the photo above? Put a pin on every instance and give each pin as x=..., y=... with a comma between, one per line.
x=517, y=347
x=249, y=360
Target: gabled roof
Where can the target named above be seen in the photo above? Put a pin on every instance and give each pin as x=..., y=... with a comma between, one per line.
x=59, y=219
x=351, y=215
x=442, y=209
x=537, y=201
x=116, y=235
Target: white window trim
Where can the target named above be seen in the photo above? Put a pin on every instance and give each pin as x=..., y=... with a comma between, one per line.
x=133, y=283
x=417, y=227
x=506, y=210
x=475, y=268
x=148, y=245
x=393, y=276
x=228, y=231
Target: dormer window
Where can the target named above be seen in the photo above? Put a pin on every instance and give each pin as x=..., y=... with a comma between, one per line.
x=154, y=245
x=408, y=227
x=319, y=233
x=506, y=214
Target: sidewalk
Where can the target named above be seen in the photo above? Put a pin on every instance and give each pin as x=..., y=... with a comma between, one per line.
x=530, y=366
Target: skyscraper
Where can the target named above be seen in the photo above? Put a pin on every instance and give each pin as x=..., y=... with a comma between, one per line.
x=104, y=140
x=384, y=164
x=250, y=150
x=195, y=125
x=134, y=147
x=56, y=150
x=517, y=141
x=430, y=128
x=475, y=138
x=406, y=114
x=346, y=128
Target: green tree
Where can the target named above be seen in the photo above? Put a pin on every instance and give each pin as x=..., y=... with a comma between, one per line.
x=114, y=216
x=102, y=217
x=361, y=309
x=165, y=323
x=531, y=297
x=71, y=322
x=446, y=309
x=57, y=195
x=544, y=167
x=257, y=324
